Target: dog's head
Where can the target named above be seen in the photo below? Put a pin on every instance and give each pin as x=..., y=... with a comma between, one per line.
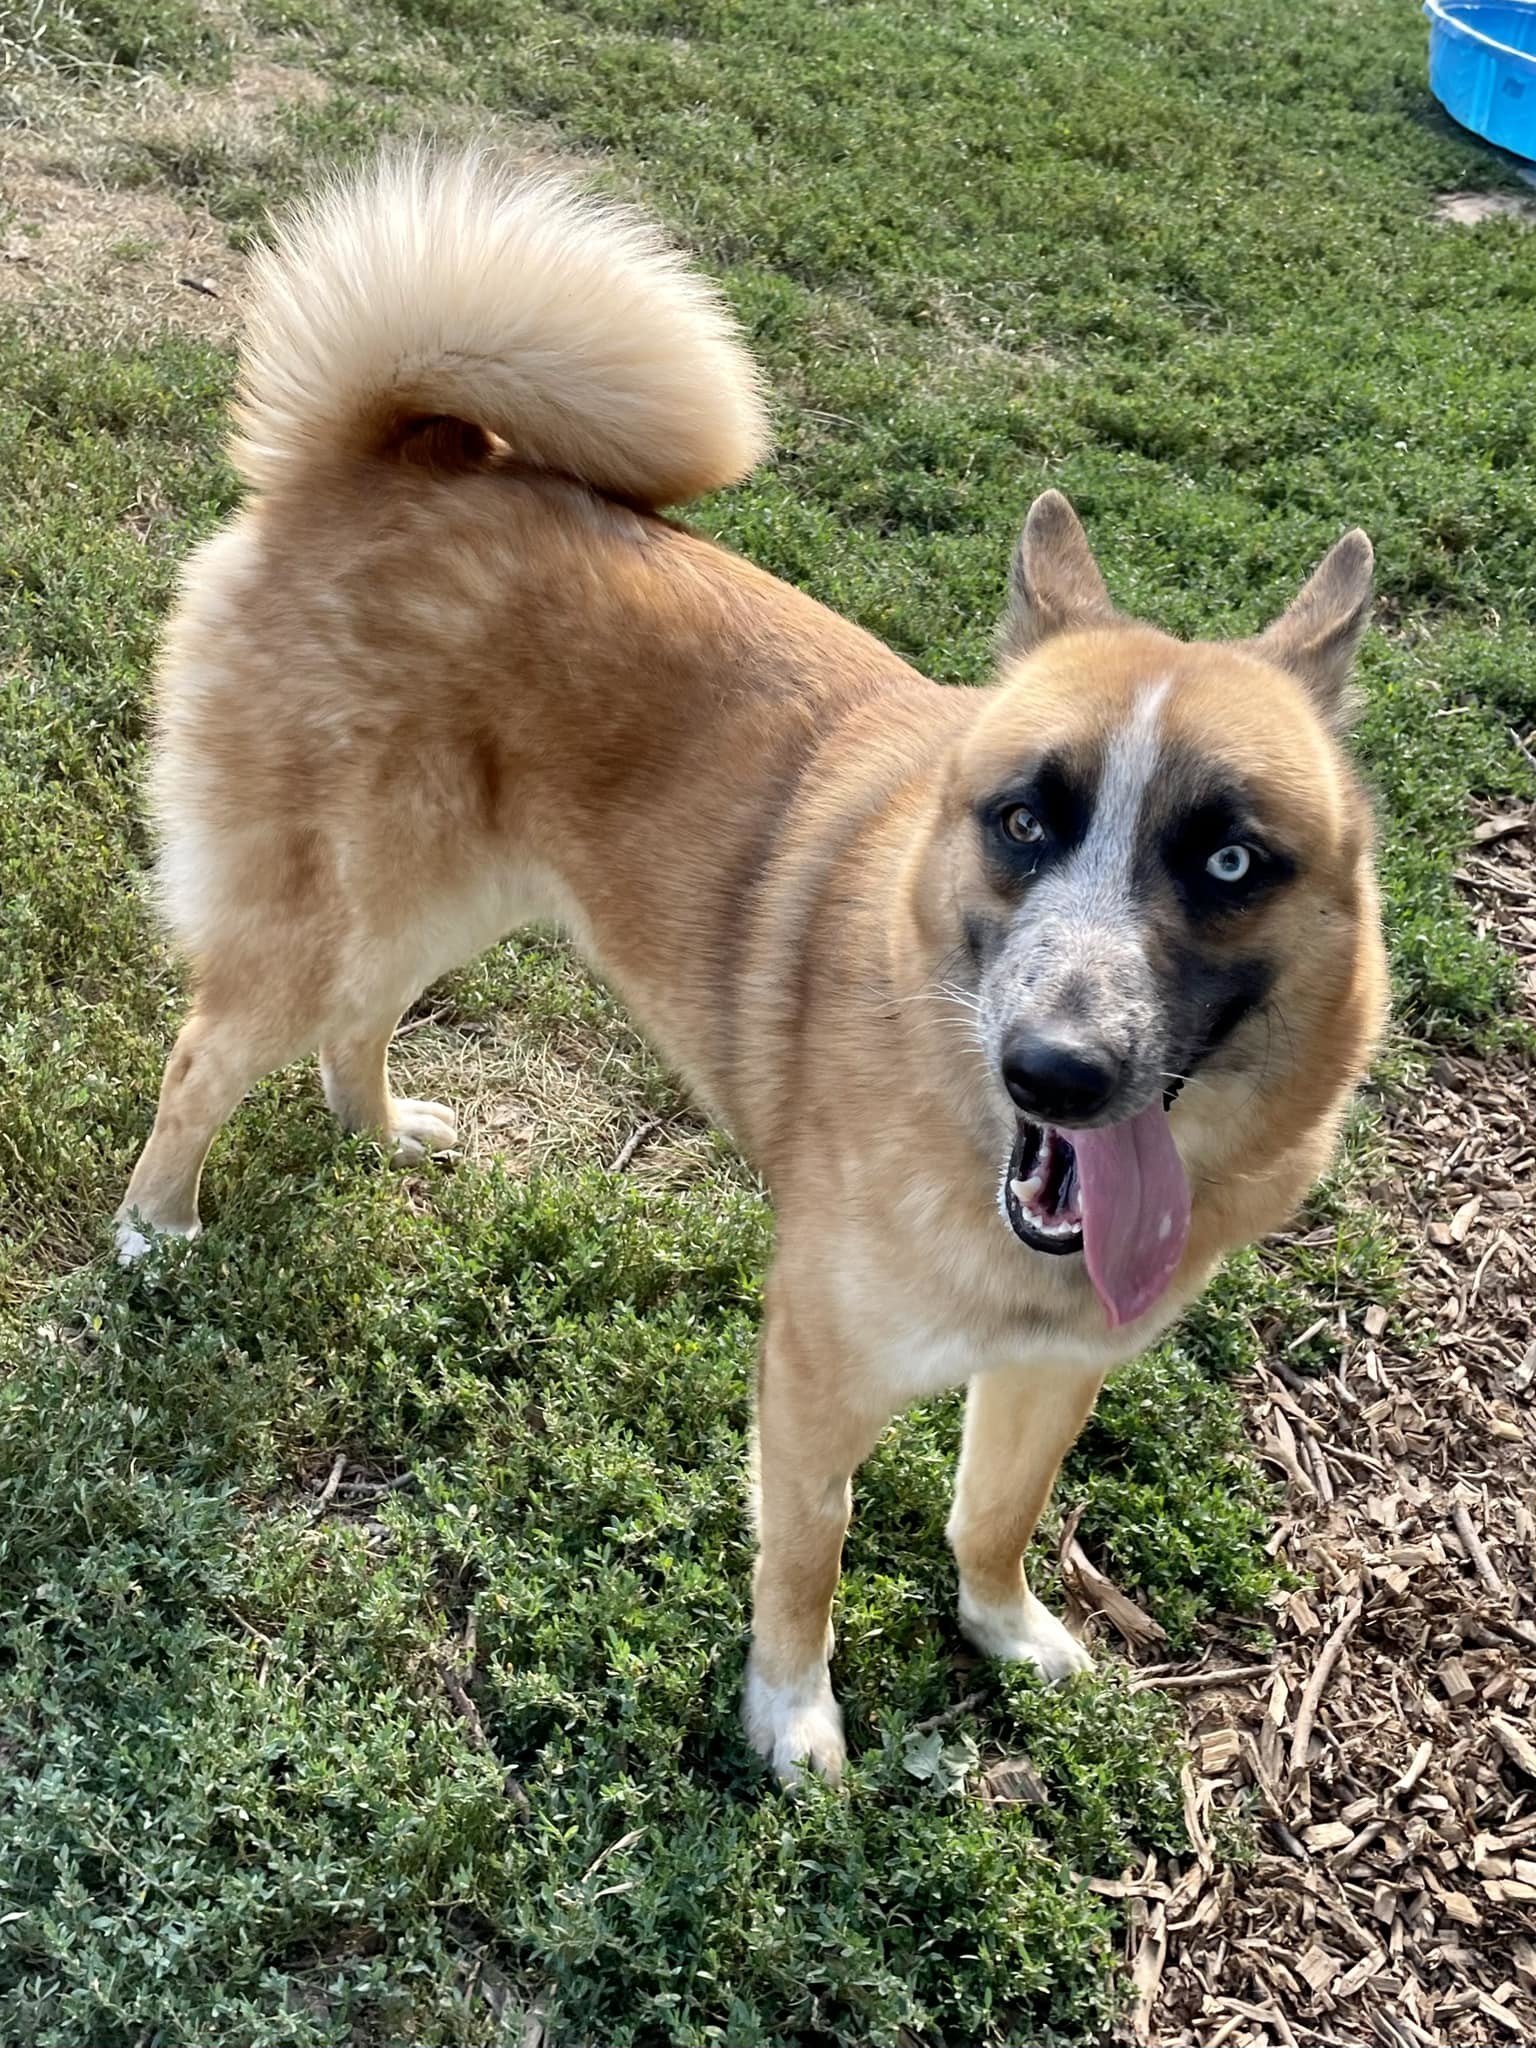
x=1157, y=867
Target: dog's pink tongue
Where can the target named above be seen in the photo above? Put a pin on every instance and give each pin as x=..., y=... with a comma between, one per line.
x=1135, y=1202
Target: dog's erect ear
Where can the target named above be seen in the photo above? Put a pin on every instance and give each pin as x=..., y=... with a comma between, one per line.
x=1054, y=583
x=1316, y=637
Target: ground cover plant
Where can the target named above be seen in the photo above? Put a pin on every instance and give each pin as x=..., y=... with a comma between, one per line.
x=373, y=1573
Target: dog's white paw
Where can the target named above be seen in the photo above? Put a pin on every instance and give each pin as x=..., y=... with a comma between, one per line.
x=795, y=1727
x=1024, y=1632
x=136, y=1239
x=418, y=1130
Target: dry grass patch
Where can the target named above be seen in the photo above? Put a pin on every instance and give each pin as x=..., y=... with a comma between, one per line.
x=94, y=258
x=85, y=242
x=1471, y=209
x=562, y=1099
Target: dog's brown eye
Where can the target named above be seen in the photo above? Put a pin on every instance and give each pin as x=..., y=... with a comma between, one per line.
x=1022, y=826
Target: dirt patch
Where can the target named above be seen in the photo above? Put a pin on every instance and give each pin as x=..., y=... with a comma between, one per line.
x=100, y=254
x=241, y=114
x=1470, y=209
x=113, y=262
x=262, y=88
x=1387, y=1748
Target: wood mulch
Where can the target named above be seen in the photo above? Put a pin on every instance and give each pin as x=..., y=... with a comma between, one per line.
x=1385, y=1754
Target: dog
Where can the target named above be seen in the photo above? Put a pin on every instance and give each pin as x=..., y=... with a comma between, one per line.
x=1027, y=1002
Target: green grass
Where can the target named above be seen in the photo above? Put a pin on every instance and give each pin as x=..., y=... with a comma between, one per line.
x=1174, y=259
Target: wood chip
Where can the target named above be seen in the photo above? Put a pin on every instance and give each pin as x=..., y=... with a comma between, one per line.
x=1147, y=1970
x=1345, y=1987
x=1510, y=2022
x=1318, y=1968
x=1454, y=1682
x=1194, y=1820
x=1515, y=1743
x=1327, y=1834
x=1013, y=1782
x=1219, y=1750
x=1101, y=1597
x=1504, y=826
x=1357, y=1845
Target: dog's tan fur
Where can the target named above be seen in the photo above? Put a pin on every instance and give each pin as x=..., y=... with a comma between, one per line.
x=449, y=672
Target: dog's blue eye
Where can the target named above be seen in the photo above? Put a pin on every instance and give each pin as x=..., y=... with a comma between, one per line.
x=1021, y=826
x=1229, y=863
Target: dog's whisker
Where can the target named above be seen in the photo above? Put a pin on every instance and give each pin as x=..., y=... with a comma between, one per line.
x=957, y=998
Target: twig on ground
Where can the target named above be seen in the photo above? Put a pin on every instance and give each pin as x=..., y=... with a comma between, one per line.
x=950, y=1715
x=370, y=1489
x=1287, y=1375
x=459, y=1699
x=1191, y=1681
x=328, y=1492
x=633, y=1142
x=1415, y=1770
x=1472, y=1544
x=1307, y=1712
x=463, y=1705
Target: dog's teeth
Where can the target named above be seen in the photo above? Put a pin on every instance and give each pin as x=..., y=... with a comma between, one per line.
x=1025, y=1191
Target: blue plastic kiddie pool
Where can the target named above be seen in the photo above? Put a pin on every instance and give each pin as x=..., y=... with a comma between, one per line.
x=1482, y=68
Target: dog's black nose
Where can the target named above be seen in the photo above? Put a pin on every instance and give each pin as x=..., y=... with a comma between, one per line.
x=1057, y=1081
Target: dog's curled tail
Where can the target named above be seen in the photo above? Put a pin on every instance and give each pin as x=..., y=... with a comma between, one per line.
x=457, y=288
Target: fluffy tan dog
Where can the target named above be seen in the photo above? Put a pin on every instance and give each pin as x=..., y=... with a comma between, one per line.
x=1027, y=1002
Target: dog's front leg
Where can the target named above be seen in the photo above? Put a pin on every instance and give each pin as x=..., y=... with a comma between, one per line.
x=810, y=1439
x=1019, y=1425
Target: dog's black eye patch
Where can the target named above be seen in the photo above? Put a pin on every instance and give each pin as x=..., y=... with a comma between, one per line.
x=1214, y=997
x=1192, y=841
x=1059, y=793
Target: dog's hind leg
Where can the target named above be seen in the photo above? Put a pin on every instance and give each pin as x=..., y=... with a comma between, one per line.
x=354, y=1068
x=221, y=1053
x=1019, y=1426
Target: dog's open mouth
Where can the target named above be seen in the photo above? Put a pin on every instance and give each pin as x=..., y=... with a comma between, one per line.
x=1117, y=1193
x=1041, y=1195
